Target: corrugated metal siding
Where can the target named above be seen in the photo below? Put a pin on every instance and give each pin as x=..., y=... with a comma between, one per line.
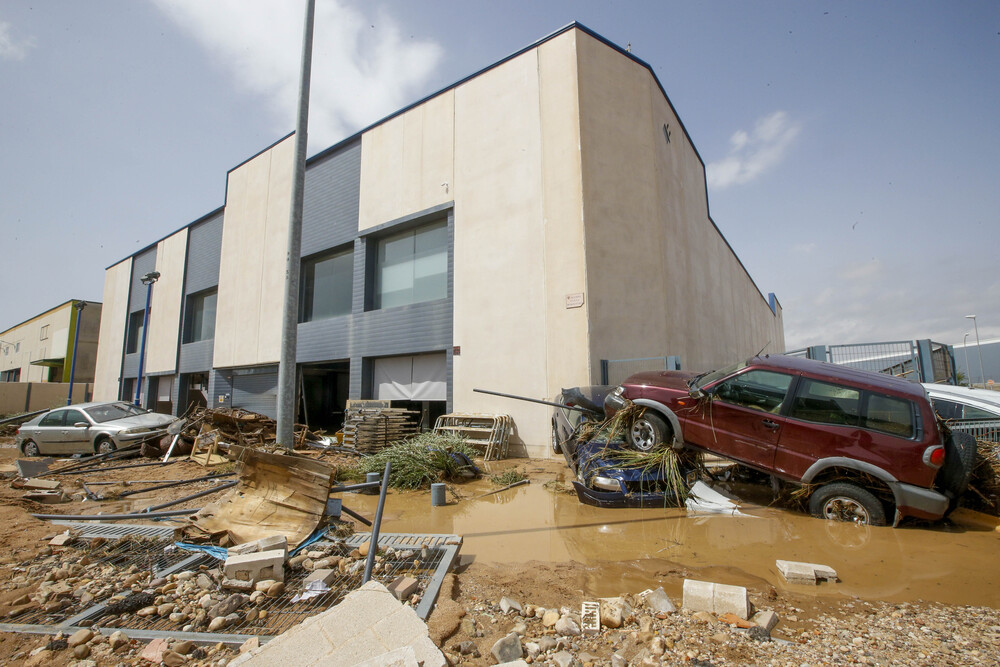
x=196, y=357
x=141, y=265
x=332, y=200
x=219, y=383
x=257, y=391
x=204, y=251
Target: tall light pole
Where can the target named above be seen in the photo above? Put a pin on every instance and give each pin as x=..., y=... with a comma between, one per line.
x=965, y=345
x=982, y=371
x=148, y=281
x=285, y=431
x=79, y=305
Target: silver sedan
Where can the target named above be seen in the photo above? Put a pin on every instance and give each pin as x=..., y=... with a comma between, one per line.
x=86, y=428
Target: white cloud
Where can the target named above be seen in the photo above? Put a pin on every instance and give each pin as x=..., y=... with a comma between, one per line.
x=753, y=153
x=10, y=48
x=362, y=69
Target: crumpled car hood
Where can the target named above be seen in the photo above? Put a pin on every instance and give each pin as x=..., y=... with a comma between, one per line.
x=150, y=420
x=670, y=379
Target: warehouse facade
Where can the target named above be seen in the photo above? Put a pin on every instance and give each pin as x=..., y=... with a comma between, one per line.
x=507, y=233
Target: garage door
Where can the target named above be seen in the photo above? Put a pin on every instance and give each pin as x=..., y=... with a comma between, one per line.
x=420, y=377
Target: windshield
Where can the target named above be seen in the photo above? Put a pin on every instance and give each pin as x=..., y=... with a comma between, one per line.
x=111, y=411
x=699, y=381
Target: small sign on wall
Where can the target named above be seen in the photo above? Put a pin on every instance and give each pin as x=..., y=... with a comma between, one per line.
x=574, y=300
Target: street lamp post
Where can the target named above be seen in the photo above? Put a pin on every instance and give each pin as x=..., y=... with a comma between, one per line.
x=975, y=324
x=148, y=281
x=968, y=369
x=79, y=305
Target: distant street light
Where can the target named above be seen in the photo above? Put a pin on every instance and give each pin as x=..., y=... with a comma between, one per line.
x=982, y=371
x=148, y=281
x=968, y=378
x=79, y=305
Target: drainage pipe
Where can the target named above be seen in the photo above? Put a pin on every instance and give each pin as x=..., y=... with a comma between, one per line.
x=114, y=517
x=206, y=492
x=373, y=543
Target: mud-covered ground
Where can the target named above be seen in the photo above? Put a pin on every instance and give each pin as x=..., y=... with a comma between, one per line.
x=919, y=595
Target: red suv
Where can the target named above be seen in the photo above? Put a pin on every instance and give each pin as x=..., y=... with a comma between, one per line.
x=867, y=444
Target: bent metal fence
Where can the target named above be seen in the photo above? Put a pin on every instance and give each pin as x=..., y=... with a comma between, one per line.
x=614, y=371
x=982, y=429
x=917, y=360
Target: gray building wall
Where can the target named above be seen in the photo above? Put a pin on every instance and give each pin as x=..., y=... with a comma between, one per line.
x=991, y=360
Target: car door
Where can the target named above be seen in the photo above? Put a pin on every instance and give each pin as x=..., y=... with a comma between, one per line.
x=52, y=435
x=743, y=420
x=77, y=437
x=823, y=419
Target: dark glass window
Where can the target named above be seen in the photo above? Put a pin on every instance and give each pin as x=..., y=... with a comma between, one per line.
x=134, y=336
x=947, y=409
x=412, y=266
x=199, y=320
x=826, y=403
x=757, y=389
x=327, y=285
x=890, y=415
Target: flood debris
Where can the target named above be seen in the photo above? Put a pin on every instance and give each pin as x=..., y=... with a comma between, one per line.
x=805, y=573
x=703, y=499
x=370, y=428
x=488, y=433
x=423, y=460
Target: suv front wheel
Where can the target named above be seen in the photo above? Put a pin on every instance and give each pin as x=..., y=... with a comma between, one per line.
x=846, y=502
x=648, y=432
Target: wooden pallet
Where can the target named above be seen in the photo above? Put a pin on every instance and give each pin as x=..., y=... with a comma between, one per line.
x=371, y=429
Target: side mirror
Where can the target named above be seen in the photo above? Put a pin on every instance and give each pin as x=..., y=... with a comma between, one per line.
x=81, y=425
x=696, y=393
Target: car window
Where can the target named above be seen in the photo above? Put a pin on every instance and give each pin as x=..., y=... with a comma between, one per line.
x=890, y=415
x=977, y=413
x=826, y=403
x=74, y=416
x=758, y=389
x=111, y=411
x=947, y=409
x=708, y=378
x=54, y=418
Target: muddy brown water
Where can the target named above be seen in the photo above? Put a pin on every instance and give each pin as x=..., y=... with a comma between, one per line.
x=953, y=562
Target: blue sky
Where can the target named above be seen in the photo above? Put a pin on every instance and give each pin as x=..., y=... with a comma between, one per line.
x=852, y=147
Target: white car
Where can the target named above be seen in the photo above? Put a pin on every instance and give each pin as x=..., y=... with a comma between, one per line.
x=86, y=428
x=952, y=402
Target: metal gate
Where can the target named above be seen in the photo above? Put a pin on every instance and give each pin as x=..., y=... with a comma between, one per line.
x=614, y=371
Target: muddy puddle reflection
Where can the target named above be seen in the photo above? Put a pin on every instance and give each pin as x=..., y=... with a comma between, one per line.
x=954, y=563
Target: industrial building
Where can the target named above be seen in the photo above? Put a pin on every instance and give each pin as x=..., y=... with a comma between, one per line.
x=508, y=232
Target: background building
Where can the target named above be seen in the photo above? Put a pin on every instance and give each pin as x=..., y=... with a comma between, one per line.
x=508, y=232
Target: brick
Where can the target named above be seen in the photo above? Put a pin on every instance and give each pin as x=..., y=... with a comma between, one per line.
x=658, y=602
x=804, y=573
x=403, y=587
x=270, y=543
x=256, y=566
x=766, y=619
x=61, y=540
x=698, y=595
x=716, y=598
x=590, y=618
x=326, y=576
x=733, y=619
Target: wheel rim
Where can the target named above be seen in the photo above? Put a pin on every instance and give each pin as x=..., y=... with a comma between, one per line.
x=643, y=436
x=104, y=447
x=842, y=508
x=555, y=439
x=31, y=449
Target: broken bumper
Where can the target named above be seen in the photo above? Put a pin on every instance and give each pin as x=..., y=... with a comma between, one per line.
x=919, y=502
x=596, y=498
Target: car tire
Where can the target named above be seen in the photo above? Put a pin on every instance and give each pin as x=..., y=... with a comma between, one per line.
x=959, y=460
x=846, y=502
x=105, y=446
x=648, y=432
x=30, y=449
x=555, y=439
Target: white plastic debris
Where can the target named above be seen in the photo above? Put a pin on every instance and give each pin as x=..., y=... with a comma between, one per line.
x=702, y=499
x=313, y=589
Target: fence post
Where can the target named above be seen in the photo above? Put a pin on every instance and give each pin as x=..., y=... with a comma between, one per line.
x=926, y=359
x=818, y=352
x=604, y=371
x=673, y=363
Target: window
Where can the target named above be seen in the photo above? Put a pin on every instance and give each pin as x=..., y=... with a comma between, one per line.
x=412, y=266
x=947, y=409
x=199, y=320
x=43, y=332
x=134, y=335
x=54, y=418
x=75, y=417
x=890, y=415
x=826, y=403
x=760, y=390
x=327, y=285
x=11, y=375
x=977, y=413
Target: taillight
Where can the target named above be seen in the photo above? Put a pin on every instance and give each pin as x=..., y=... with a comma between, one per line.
x=934, y=456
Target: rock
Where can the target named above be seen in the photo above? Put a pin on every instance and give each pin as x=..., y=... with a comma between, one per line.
x=81, y=651
x=154, y=651
x=567, y=626
x=720, y=638
x=296, y=562
x=178, y=617
x=532, y=649
x=264, y=584
x=468, y=626
x=166, y=609
x=252, y=615
x=520, y=628
x=250, y=645
x=468, y=648
x=507, y=604
x=658, y=602
x=227, y=606
x=205, y=582
x=79, y=637
x=275, y=589
x=182, y=647
x=563, y=659
x=614, y=612
x=766, y=619
x=617, y=660
x=759, y=633
x=173, y=659
x=117, y=640
x=546, y=644
x=704, y=616
x=217, y=623
x=550, y=618
x=657, y=646
x=508, y=649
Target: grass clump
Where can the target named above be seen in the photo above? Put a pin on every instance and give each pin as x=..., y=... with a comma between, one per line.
x=421, y=461
x=508, y=477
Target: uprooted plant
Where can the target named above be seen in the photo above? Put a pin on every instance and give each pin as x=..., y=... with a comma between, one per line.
x=420, y=461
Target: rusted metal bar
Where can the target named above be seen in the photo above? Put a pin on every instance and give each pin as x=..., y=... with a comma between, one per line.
x=535, y=400
x=114, y=517
x=168, y=485
x=134, y=465
x=206, y=492
x=87, y=461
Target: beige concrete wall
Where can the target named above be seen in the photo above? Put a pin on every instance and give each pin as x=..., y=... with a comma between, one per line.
x=507, y=145
x=167, y=304
x=252, y=263
x=661, y=279
x=407, y=163
x=111, y=342
x=44, y=336
x=20, y=397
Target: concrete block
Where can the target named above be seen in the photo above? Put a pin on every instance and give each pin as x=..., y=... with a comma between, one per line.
x=46, y=497
x=61, y=540
x=766, y=619
x=403, y=587
x=658, y=602
x=590, y=618
x=270, y=543
x=698, y=595
x=507, y=604
x=716, y=598
x=615, y=612
x=400, y=657
x=399, y=628
x=804, y=573
x=40, y=484
x=256, y=566
x=326, y=576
